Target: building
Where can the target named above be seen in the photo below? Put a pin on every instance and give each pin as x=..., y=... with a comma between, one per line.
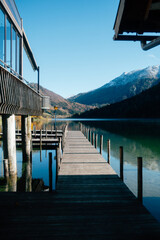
x=138, y=21
x=16, y=96
x=12, y=41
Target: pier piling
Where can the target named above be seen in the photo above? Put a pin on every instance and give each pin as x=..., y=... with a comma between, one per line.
x=9, y=142
x=101, y=144
x=50, y=172
x=96, y=138
x=121, y=162
x=93, y=138
x=108, y=150
x=140, y=179
x=6, y=170
x=26, y=137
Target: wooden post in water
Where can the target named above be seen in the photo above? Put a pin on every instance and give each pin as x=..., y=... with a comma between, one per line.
x=64, y=133
x=62, y=145
x=46, y=138
x=93, y=138
x=108, y=150
x=41, y=138
x=50, y=172
x=56, y=132
x=66, y=129
x=80, y=127
x=57, y=162
x=60, y=150
x=101, y=144
x=9, y=142
x=63, y=137
x=41, y=145
x=96, y=137
x=34, y=130
x=26, y=137
x=12, y=183
x=140, y=179
x=85, y=131
x=46, y=133
x=6, y=169
x=27, y=152
x=121, y=162
x=89, y=135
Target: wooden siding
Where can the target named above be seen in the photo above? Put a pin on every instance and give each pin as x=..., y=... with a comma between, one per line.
x=16, y=97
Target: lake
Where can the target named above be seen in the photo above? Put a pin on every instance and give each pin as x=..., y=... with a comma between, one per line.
x=139, y=138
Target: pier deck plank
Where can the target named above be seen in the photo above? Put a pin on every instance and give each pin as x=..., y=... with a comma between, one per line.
x=91, y=202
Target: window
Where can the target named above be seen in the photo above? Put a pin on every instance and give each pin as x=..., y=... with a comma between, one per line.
x=14, y=10
x=8, y=43
x=18, y=54
x=13, y=49
x=2, y=36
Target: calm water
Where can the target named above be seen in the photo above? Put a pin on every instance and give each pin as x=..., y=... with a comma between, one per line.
x=140, y=138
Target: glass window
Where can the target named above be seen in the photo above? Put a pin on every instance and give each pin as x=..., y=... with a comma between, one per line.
x=8, y=43
x=13, y=49
x=18, y=53
x=11, y=4
x=2, y=35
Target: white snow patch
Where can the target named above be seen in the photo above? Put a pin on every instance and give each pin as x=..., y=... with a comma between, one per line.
x=152, y=72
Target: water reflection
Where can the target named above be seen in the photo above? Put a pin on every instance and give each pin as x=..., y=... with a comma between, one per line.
x=27, y=176
x=32, y=175
x=8, y=184
x=138, y=139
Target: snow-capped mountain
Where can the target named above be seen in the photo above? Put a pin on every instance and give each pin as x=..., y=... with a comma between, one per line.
x=122, y=87
x=152, y=72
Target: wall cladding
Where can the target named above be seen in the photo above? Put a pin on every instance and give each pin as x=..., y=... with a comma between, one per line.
x=16, y=97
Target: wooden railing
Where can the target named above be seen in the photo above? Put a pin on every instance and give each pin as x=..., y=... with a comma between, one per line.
x=16, y=97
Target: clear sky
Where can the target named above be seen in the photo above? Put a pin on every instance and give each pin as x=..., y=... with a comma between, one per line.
x=72, y=41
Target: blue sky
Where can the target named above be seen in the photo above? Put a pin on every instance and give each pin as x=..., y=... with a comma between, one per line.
x=72, y=41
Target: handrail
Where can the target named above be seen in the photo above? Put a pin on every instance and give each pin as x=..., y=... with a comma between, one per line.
x=5, y=66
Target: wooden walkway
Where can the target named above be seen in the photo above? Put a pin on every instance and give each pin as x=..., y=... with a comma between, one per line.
x=90, y=203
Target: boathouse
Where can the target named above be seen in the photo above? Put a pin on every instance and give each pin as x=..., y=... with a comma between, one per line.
x=17, y=97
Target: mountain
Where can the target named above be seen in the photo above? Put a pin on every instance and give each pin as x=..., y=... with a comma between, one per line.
x=143, y=105
x=125, y=86
x=65, y=108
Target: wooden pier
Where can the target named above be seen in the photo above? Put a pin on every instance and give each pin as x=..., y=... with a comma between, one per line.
x=43, y=139
x=90, y=202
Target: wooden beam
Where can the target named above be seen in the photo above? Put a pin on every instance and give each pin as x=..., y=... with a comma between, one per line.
x=147, y=9
x=119, y=17
x=134, y=38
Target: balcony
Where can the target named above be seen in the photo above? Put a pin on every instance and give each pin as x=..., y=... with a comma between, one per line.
x=17, y=97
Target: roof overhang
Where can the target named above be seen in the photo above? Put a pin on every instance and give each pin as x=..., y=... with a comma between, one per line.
x=29, y=52
x=138, y=18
